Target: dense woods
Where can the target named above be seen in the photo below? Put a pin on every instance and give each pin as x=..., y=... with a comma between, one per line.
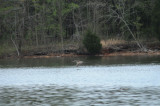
x=59, y=25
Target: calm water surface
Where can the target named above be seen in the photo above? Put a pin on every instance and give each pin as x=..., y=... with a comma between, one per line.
x=100, y=81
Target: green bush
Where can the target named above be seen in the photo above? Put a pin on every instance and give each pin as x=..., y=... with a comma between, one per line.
x=92, y=43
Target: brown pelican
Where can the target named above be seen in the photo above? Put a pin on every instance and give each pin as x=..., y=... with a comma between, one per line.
x=78, y=62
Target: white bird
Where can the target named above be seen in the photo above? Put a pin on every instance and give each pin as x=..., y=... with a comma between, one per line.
x=78, y=62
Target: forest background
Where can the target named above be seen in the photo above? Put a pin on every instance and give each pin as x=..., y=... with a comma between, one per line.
x=40, y=27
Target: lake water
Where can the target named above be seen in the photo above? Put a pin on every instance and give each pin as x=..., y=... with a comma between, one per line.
x=100, y=81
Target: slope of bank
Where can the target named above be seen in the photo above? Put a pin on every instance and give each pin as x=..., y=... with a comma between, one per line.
x=118, y=49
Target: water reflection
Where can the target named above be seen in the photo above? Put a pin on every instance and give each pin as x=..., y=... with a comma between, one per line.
x=92, y=96
x=88, y=61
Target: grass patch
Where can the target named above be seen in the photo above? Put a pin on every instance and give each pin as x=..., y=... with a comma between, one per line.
x=111, y=42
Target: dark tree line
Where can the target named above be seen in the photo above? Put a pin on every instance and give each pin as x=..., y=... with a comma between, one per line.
x=62, y=23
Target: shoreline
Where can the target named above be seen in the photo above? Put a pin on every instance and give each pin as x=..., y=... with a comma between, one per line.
x=113, y=50
x=103, y=54
x=126, y=53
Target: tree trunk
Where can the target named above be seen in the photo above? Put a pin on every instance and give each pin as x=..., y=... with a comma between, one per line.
x=60, y=24
x=18, y=53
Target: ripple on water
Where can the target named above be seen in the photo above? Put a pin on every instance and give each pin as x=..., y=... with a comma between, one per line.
x=57, y=95
x=118, y=85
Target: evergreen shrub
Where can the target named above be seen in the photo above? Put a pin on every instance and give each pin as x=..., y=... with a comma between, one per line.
x=92, y=43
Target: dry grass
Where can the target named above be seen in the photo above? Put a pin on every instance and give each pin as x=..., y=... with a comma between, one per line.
x=111, y=42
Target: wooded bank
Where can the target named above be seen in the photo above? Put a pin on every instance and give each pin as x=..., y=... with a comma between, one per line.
x=49, y=26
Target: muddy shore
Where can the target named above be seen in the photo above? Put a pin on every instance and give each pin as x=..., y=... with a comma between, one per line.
x=106, y=54
x=118, y=53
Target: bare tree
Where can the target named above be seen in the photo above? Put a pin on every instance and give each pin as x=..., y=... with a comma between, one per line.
x=119, y=11
x=60, y=20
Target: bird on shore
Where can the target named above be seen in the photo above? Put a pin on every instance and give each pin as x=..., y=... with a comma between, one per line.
x=78, y=62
